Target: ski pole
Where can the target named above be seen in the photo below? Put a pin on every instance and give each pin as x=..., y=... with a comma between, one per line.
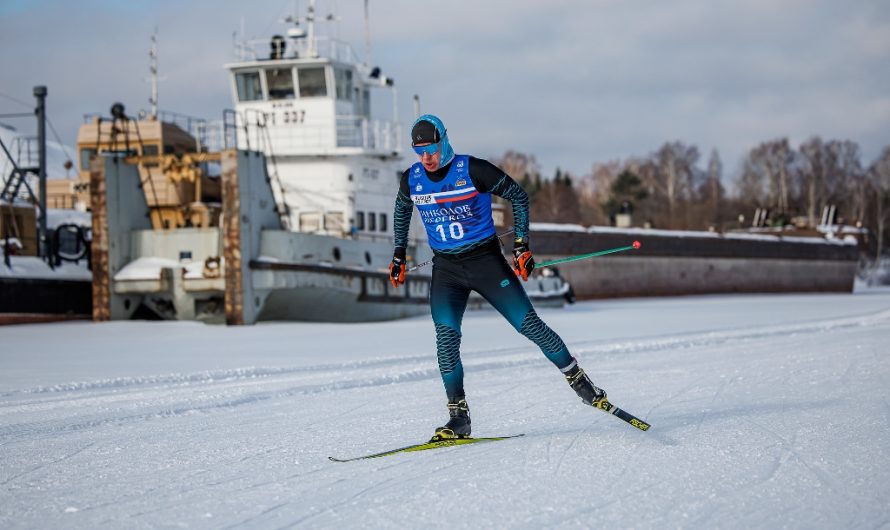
x=634, y=246
x=429, y=261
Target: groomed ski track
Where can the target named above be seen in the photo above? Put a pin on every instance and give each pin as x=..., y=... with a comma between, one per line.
x=766, y=412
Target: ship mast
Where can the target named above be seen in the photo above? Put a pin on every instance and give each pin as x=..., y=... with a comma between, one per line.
x=367, y=37
x=153, y=68
x=310, y=24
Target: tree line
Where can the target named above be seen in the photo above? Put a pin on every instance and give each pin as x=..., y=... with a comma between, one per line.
x=675, y=188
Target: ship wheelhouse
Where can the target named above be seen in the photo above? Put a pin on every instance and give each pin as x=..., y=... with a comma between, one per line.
x=333, y=164
x=317, y=107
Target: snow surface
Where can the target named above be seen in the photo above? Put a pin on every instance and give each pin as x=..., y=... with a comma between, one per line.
x=767, y=411
x=145, y=268
x=58, y=216
x=32, y=267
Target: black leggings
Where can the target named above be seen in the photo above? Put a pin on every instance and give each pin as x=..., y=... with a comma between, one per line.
x=488, y=274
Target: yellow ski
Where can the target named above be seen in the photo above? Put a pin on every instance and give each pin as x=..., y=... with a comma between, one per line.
x=432, y=444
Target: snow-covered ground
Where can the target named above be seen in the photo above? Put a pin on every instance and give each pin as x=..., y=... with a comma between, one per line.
x=766, y=412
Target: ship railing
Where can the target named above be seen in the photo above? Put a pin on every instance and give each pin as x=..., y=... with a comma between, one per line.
x=374, y=135
x=325, y=48
x=209, y=135
x=214, y=136
x=251, y=130
x=24, y=151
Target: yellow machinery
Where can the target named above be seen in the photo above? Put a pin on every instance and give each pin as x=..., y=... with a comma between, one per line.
x=177, y=189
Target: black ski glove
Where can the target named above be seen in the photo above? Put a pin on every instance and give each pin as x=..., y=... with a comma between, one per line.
x=397, y=268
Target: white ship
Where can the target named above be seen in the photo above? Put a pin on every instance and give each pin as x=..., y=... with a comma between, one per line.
x=308, y=181
x=334, y=165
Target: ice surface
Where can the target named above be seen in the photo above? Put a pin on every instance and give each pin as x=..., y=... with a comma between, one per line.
x=766, y=411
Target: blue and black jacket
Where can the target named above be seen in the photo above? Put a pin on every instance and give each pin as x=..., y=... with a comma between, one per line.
x=424, y=190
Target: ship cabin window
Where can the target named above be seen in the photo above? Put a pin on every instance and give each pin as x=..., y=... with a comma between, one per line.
x=85, y=156
x=383, y=222
x=280, y=82
x=249, y=87
x=312, y=82
x=150, y=150
x=333, y=220
x=343, y=82
x=309, y=222
x=372, y=221
x=366, y=102
x=359, y=220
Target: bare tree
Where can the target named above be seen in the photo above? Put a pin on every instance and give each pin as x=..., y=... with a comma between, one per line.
x=782, y=158
x=769, y=164
x=522, y=167
x=879, y=176
x=674, y=178
x=750, y=184
x=851, y=182
x=679, y=194
x=593, y=190
x=775, y=158
x=812, y=177
x=836, y=172
x=556, y=202
x=830, y=173
x=711, y=192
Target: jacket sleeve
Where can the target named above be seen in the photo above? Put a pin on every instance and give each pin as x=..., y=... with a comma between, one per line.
x=401, y=215
x=488, y=178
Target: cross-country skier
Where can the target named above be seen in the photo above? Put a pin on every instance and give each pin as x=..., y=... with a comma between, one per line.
x=452, y=193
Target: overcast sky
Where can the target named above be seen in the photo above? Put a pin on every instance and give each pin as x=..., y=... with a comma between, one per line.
x=573, y=82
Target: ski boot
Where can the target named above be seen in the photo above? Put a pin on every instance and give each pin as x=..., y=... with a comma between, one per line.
x=589, y=393
x=459, y=424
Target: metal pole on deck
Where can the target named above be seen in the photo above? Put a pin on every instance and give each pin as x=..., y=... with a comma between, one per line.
x=40, y=94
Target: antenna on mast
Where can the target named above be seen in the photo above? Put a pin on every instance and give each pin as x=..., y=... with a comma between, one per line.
x=367, y=36
x=153, y=68
x=310, y=34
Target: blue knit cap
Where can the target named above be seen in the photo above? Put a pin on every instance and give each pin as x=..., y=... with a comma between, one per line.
x=447, y=151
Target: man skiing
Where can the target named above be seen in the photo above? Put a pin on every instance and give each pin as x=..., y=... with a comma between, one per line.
x=452, y=194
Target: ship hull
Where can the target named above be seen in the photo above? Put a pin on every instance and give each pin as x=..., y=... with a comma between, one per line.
x=30, y=291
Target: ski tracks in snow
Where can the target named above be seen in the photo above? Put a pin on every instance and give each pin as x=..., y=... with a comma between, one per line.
x=71, y=407
x=685, y=412
x=42, y=466
x=238, y=387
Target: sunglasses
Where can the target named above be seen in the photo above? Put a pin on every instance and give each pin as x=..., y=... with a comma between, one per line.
x=427, y=149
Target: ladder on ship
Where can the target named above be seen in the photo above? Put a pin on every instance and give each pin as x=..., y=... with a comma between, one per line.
x=17, y=178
